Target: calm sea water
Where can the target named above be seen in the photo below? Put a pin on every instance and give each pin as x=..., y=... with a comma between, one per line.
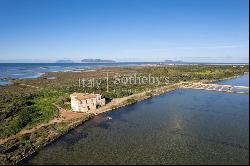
x=5, y=82
x=180, y=127
x=33, y=70
x=242, y=81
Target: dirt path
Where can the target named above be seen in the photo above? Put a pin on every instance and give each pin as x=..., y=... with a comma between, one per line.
x=64, y=115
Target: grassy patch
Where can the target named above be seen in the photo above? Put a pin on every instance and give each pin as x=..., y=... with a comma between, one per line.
x=27, y=112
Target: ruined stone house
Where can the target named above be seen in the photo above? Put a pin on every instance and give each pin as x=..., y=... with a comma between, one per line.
x=84, y=102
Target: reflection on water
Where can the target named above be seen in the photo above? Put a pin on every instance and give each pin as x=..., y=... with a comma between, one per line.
x=181, y=127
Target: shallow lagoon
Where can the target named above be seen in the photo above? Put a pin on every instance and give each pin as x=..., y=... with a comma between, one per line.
x=34, y=70
x=5, y=82
x=180, y=127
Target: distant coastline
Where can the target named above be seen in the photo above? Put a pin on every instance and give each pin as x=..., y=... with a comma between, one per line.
x=34, y=70
x=65, y=61
x=166, y=62
x=97, y=61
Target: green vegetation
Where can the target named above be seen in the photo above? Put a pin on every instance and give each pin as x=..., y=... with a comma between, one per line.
x=16, y=149
x=26, y=111
x=64, y=102
x=150, y=94
x=131, y=100
x=23, y=107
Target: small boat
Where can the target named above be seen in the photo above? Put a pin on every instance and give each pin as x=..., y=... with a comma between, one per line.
x=109, y=118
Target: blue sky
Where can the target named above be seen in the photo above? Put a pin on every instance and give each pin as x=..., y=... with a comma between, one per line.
x=125, y=30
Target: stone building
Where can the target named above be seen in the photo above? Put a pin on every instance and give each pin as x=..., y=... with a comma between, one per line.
x=84, y=102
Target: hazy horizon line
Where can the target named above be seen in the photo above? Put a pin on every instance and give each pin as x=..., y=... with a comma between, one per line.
x=79, y=61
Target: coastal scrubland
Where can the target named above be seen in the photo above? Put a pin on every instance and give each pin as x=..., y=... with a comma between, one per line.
x=28, y=103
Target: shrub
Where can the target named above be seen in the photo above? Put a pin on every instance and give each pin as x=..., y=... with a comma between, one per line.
x=131, y=100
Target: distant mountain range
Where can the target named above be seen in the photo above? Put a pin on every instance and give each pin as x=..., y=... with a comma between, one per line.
x=174, y=62
x=106, y=61
x=180, y=62
x=97, y=61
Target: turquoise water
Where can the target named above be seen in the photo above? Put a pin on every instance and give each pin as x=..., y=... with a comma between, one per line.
x=180, y=127
x=5, y=82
